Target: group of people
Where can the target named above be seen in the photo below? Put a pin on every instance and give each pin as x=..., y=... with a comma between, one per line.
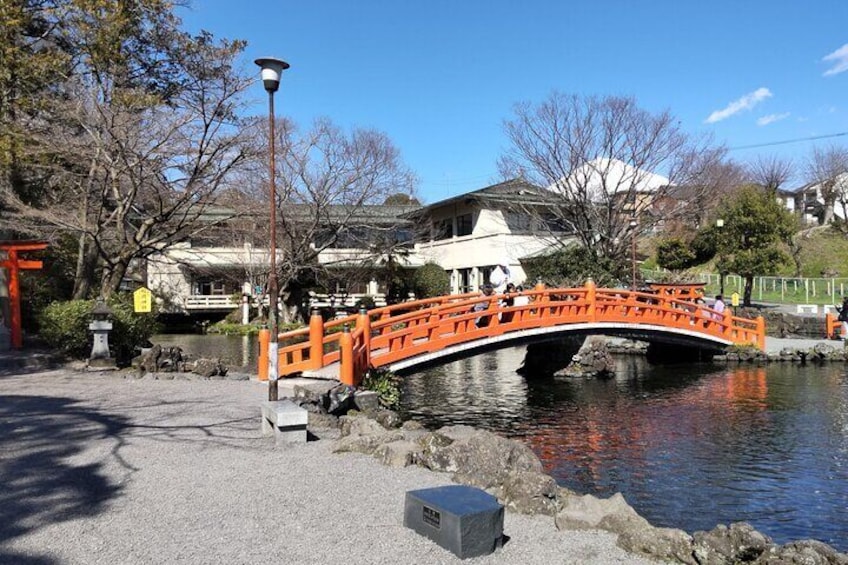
x=500, y=282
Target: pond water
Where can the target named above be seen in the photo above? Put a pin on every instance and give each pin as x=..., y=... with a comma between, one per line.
x=689, y=446
x=239, y=353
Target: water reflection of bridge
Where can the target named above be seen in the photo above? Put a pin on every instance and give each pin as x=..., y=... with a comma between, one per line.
x=407, y=335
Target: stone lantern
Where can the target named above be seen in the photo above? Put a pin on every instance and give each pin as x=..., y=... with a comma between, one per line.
x=100, y=326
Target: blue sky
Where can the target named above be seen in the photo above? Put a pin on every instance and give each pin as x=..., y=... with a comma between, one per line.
x=439, y=77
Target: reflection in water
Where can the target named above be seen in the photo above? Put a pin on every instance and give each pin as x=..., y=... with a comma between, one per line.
x=689, y=446
x=239, y=353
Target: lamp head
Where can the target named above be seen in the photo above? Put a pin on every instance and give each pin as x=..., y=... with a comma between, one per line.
x=272, y=70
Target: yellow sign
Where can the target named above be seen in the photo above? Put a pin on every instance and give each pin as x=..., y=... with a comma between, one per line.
x=142, y=300
x=734, y=299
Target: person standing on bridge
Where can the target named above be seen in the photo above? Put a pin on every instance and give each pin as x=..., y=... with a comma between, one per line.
x=843, y=317
x=500, y=276
x=719, y=307
x=482, y=306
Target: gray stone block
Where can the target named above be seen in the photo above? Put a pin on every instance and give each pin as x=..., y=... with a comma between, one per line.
x=286, y=420
x=366, y=401
x=466, y=521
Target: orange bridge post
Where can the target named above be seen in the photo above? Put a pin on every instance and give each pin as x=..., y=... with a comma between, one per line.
x=363, y=320
x=346, y=368
x=590, y=299
x=761, y=333
x=264, y=339
x=831, y=326
x=316, y=339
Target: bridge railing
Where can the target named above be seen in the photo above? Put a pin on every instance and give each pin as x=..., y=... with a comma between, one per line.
x=389, y=334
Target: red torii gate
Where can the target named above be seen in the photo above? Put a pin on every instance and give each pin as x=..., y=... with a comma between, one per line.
x=14, y=264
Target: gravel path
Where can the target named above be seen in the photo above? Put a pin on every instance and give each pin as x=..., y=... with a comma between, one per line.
x=102, y=469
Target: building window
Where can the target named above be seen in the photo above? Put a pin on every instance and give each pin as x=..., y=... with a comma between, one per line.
x=444, y=229
x=518, y=221
x=466, y=282
x=464, y=225
x=208, y=287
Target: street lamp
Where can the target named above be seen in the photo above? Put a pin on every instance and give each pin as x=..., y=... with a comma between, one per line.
x=633, y=226
x=272, y=69
x=719, y=227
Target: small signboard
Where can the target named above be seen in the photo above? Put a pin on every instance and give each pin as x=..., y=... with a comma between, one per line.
x=734, y=299
x=142, y=300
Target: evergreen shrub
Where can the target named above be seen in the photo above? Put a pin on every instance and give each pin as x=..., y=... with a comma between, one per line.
x=431, y=280
x=64, y=326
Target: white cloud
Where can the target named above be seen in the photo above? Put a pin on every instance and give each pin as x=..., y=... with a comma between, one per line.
x=771, y=118
x=745, y=103
x=839, y=59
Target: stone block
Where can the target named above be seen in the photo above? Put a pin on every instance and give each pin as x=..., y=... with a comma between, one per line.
x=466, y=521
x=286, y=420
x=366, y=401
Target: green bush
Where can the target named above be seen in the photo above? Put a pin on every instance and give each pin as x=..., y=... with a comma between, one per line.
x=572, y=266
x=64, y=326
x=386, y=384
x=431, y=280
x=675, y=254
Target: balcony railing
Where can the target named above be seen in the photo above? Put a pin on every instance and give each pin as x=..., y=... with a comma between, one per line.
x=210, y=302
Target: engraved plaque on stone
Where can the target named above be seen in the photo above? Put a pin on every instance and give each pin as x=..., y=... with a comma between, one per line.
x=464, y=520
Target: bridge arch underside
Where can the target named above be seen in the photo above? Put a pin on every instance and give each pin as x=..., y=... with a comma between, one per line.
x=641, y=332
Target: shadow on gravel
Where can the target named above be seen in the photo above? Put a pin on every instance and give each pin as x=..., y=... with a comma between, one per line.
x=39, y=486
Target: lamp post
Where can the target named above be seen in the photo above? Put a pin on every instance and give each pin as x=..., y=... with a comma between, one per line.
x=719, y=227
x=272, y=69
x=633, y=225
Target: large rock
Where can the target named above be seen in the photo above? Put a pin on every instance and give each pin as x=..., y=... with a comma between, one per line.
x=313, y=394
x=340, y=399
x=160, y=359
x=366, y=401
x=359, y=425
x=480, y=458
x=635, y=534
x=544, y=359
x=209, y=368
x=587, y=512
x=668, y=544
x=401, y=453
x=739, y=543
x=805, y=552
x=366, y=444
x=593, y=360
x=529, y=492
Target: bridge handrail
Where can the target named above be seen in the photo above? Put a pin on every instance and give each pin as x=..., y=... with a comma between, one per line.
x=387, y=334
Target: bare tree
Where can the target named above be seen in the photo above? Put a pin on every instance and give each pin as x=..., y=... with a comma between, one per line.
x=828, y=168
x=330, y=189
x=143, y=136
x=601, y=159
x=771, y=172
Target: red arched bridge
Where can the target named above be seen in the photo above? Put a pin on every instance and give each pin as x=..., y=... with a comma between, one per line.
x=405, y=335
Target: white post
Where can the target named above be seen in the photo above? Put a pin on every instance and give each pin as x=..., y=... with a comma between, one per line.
x=245, y=310
x=806, y=291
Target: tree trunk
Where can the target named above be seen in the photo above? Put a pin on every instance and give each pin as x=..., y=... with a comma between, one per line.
x=112, y=278
x=293, y=309
x=85, y=269
x=749, y=286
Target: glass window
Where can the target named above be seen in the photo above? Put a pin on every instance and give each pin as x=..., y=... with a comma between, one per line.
x=464, y=225
x=444, y=229
x=518, y=221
